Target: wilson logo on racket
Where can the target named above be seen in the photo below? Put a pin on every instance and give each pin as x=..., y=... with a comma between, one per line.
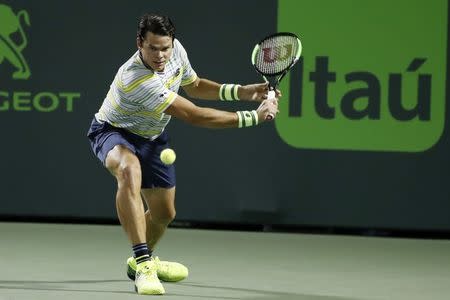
x=361, y=86
x=276, y=54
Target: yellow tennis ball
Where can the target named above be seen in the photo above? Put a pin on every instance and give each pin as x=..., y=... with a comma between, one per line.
x=168, y=156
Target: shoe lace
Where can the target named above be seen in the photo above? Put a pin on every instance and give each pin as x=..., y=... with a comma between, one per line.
x=161, y=266
x=148, y=269
x=155, y=260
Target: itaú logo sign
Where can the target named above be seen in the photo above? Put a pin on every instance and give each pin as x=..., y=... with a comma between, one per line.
x=11, y=52
x=361, y=86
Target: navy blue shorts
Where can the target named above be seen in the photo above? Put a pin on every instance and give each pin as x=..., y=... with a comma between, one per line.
x=104, y=137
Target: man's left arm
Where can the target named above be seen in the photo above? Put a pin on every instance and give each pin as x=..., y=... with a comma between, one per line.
x=206, y=89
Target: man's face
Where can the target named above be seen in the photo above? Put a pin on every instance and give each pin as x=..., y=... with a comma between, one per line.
x=156, y=50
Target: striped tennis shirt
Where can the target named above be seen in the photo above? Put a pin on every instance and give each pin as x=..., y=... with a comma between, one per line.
x=138, y=96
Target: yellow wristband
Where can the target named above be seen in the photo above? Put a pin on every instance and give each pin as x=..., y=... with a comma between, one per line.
x=229, y=92
x=247, y=118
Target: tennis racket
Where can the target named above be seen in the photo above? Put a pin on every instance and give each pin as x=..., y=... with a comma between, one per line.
x=274, y=56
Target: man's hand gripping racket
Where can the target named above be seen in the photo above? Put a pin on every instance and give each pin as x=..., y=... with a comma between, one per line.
x=273, y=57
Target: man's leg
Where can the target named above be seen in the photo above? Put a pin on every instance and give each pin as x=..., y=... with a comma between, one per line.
x=161, y=211
x=125, y=166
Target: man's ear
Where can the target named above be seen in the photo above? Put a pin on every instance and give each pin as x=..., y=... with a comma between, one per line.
x=138, y=43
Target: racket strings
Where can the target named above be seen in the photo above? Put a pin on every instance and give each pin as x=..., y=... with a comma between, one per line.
x=276, y=54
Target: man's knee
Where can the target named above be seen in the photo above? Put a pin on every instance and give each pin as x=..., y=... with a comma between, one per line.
x=124, y=165
x=165, y=216
x=129, y=173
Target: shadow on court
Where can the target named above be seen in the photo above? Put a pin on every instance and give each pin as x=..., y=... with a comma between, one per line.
x=61, y=281
x=217, y=292
x=268, y=295
x=59, y=285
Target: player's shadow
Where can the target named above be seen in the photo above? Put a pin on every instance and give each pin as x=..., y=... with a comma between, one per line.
x=269, y=295
x=60, y=281
x=37, y=285
x=60, y=285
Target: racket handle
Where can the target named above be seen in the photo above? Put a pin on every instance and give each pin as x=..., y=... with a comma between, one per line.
x=270, y=96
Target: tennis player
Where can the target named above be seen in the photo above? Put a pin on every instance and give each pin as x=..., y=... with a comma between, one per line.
x=128, y=133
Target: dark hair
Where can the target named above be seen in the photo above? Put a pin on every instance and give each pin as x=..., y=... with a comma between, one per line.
x=156, y=24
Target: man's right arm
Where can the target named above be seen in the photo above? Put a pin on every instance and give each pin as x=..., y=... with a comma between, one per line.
x=185, y=110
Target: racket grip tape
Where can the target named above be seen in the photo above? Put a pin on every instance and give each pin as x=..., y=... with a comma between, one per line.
x=270, y=96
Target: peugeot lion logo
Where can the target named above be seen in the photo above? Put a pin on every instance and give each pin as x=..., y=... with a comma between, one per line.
x=9, y=50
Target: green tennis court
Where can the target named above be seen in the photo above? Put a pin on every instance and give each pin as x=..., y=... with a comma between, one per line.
x=56, y=261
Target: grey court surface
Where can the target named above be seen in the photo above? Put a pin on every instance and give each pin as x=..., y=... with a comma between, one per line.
x=56, y=261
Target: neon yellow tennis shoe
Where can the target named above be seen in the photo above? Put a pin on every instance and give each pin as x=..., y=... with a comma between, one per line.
x=146, y=281
x=166, y=270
